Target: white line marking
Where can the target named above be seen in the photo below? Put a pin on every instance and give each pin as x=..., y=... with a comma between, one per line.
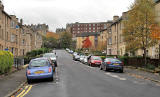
x=115, y=76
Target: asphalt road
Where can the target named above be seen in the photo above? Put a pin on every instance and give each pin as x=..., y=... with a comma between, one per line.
x=74, y=79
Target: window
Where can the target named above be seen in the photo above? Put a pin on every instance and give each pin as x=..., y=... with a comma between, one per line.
x=110, y=41
x=13, y=38
x=12, y=24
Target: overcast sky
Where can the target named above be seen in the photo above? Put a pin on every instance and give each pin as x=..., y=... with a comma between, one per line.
x=56, y=13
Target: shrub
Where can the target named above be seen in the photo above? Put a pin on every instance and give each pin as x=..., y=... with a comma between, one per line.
x=35, y=54
x=6, y=61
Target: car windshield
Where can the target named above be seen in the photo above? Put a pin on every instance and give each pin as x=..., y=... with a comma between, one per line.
x=96, y=58
x=39, y=63
x=49, y=55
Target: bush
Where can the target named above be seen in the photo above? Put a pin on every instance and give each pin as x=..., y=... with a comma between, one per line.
x=6, y=61
x=35, y=54
x=150, y=67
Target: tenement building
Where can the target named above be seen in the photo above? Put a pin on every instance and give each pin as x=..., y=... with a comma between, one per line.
x=17, y=37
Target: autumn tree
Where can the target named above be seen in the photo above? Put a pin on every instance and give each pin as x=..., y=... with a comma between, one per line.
x=87, y=43
x=137, y=28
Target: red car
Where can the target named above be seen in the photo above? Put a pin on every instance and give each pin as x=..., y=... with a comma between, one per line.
x=95, y=61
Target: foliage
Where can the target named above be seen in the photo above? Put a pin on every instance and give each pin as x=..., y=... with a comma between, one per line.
x=35, y=54
x=52, y=35
x=137, y=32
x=87, y=43
x=65, y=40
x=50, y=42
x=137, y=28
x=6, y=61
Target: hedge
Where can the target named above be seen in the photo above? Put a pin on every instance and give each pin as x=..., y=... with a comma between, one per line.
x=35, y=54
x=6, y=61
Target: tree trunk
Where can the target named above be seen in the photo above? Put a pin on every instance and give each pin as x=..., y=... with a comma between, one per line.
x=159, y=53
x=145, y=57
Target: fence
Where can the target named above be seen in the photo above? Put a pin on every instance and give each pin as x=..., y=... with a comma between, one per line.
x=139, y=62
x=18, y=62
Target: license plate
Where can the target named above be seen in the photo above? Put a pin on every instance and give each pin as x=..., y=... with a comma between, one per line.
x=39, y=72
x=116, y=64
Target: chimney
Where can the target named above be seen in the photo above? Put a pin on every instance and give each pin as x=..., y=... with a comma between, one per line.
x=21, y=21
x=1, y=5
x=115, y=18
x=124, y=15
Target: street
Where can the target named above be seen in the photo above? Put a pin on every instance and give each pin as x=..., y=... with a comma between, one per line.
x=74, y=79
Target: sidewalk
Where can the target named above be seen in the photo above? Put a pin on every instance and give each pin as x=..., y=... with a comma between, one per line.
x=143, y=74
x=11, y=82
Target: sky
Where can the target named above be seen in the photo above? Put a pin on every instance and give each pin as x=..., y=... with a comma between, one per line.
x=57, y=13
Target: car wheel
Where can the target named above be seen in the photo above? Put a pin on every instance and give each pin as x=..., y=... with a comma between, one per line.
x=51, y=79
x=28, y=81
x=121, y=71
x=101, y=67
x=105, y=68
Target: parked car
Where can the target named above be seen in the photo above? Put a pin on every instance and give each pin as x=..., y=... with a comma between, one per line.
x=85, y=60
x=76, y=57
x=112, y=64
x=95, y=61
x=75, y=53
x=81, y=58
x=52, y=56
x=40, y=68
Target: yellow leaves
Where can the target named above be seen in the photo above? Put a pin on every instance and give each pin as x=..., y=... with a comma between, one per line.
x=52, y=34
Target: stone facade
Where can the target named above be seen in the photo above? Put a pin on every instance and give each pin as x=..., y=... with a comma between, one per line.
x=17, y=37
x=93, y=37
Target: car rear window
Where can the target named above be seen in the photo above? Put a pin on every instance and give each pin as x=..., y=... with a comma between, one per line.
x=39, y=63
x=96, y=58
x=115, y=60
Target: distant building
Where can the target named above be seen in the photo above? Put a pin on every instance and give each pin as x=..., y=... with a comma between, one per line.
x=60, y=30
x=40, y=28
x=76, y=28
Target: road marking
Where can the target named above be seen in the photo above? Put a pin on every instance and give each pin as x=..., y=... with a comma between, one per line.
x=30, y=87
x=115, y=76
x=22, y=91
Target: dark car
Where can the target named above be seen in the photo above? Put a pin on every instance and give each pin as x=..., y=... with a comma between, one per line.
x=94, y=61
x=112, y=64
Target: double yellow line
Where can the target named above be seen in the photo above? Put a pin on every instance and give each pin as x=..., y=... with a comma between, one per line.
x=25, y=91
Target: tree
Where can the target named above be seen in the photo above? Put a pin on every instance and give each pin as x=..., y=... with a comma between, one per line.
x=50, y=42
x=87, y=43
x=137, y=28
x=65, y=40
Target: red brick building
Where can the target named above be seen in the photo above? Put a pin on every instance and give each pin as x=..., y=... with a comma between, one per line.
x=76, y=28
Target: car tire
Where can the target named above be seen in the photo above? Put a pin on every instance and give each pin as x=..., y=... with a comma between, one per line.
x=121, y=71
x=105, y=68
x=51, y=79
x=101, y=67
x=28, y=81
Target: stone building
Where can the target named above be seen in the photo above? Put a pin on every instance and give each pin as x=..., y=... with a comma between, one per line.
x=60, y=30
x=17, y=37
x=40, y=28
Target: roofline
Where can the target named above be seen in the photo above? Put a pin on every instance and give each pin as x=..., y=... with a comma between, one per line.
x=6, y=14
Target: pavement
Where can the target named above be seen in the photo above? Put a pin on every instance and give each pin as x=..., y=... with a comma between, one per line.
x=143, y=74
x=74, y=79
x=11, y=82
